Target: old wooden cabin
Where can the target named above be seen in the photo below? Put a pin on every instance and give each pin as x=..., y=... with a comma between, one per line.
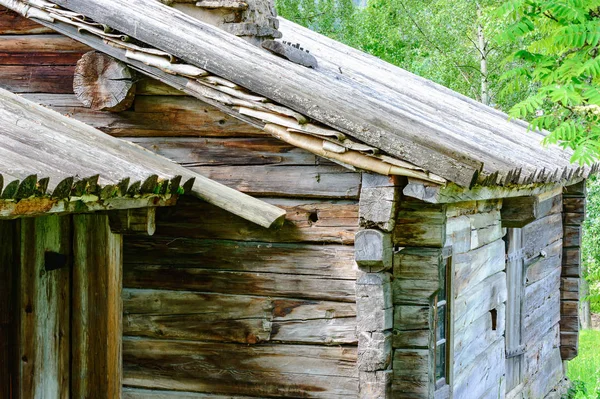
x=430, y=247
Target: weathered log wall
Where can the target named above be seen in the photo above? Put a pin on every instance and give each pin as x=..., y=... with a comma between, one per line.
x=574, y=202
x=214, y=305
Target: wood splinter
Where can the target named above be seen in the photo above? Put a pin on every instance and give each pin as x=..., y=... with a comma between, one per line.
x=103, y=83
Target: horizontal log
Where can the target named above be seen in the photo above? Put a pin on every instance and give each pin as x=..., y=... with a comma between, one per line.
x=570, y=284
x=328, y=261
x=40, y=50
x=569, y=308
x=476, y=338
x=485, y=371
x=541, y=350
x=573, y=219
x=415, y=339
x=568, y=352
x=541, y=233
x=315, y=221
x=520, y=211
x=536, y=294
x=236, y=318
x=572, y=236
x=574, y=205
x=569, y=323
x=265, y=370
x=238, y=283
x=547, y=378
x=151, y=87
x=540, y=267
x=193, y=118
x=576, y=190
x=478, y=300
x=135, y=393
x=56, y=79
x=542, y=320
x=12, y=23
x=287, y=181
x=420, y=225
x=472, y=267
x=571, y=256
x=411, y=317
x=228, y=151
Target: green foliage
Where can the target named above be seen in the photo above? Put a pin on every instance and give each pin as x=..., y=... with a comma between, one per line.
x=560, y=59
x=590, y=245
x=584, y=370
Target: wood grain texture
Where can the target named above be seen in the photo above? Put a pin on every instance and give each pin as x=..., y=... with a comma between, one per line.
x=12, y=23
x=306, y=221
x=49, y=49
x=97, y=309
x=9, y=308
x=155, y=116
x=37, y=78
x=230, y=369
x=103, y=83
x=45, y=309
x=237, y=318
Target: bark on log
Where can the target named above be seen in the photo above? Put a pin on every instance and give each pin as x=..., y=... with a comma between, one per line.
x=103, y=83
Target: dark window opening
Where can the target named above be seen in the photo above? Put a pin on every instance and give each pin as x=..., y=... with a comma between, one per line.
x=494, y=315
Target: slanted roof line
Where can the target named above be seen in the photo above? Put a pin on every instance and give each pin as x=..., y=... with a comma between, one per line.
x=361, y=97
x=46, y=160
x=334, y=145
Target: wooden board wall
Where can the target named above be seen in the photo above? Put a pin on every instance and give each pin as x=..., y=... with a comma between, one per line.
x=214, y=304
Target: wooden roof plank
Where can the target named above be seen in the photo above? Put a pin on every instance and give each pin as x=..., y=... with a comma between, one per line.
x=75, y=160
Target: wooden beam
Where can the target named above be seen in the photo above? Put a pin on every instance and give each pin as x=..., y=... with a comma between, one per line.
x=97, y=309
x=453, y=193
x=133, y=221
x=518, y=212
x=103, y=83
x=45, y=307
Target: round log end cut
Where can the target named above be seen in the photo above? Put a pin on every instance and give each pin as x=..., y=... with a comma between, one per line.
x=103, y=83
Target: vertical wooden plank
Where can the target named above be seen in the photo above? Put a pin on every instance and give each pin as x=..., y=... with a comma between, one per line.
x=44, y=308
x=97, y=309
x=514, y=308
x=9, y=314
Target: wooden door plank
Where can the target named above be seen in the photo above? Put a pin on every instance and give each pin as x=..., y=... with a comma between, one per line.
x=97, y=308
x=44, y=308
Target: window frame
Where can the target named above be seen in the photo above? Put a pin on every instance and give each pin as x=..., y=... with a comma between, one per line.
x=446, y=271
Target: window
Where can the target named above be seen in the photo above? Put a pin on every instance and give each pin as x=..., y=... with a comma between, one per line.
x=441, y=316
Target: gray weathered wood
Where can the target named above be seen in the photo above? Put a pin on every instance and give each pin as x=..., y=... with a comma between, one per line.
x=103, y=83
x=373, y=250
x=98, y=154
x=44, y=309
x=133, y=221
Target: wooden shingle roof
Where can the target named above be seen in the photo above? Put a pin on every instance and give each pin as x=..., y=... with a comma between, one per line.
x=371, y=101
x=50, y=163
